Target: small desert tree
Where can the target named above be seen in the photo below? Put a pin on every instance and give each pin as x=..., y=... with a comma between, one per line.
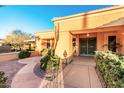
x=16, y=39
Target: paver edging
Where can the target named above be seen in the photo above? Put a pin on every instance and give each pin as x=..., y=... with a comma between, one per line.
x=58, y=80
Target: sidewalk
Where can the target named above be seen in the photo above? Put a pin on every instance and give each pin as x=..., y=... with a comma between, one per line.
x=81, y=74
x=10, y=68
x=30, y=75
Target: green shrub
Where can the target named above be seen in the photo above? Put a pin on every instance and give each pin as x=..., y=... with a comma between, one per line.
x=43, y=52
x=52, y=63
x=54, y=60
x=49, y=61
x=111, y=66
x=47, y=51
x=24, y=54
x=3, y=79
x=44, y=60
x=52, y=52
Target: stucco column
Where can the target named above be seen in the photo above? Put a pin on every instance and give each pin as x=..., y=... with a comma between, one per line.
x=100, y=41
x=105, y=41
x=51, y=43
x=120, y=40
x=38, y=45
x=77, y=45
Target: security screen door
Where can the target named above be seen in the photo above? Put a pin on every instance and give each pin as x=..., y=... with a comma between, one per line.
x=87, y=46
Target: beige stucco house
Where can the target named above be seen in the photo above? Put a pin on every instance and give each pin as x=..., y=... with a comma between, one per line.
x=86, y=32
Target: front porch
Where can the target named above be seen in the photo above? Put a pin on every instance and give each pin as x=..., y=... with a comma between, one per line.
x=81, y=73
x=85, y=42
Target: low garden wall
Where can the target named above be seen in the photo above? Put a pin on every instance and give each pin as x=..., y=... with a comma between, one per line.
x=13, y=56
x=67, y=60
x=8, y=56
x=111, y=68
x=34, y=53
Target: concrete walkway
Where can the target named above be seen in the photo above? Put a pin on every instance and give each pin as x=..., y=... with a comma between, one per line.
x=81, y=74
x=30, y=75
x=10, y=68
x=78, y=74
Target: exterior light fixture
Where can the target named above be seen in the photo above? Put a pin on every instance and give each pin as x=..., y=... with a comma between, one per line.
x=122, y=33
x=88, y=34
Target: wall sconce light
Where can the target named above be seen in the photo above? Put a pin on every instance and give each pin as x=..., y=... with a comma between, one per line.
x=88, y=34
x=122, y=33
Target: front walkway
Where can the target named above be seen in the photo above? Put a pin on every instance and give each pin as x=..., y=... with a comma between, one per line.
x=81, y=74
x=10, y=68
x=78, y=74
x=30, y=76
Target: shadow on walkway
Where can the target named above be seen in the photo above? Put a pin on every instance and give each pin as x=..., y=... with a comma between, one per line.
x=38, y=71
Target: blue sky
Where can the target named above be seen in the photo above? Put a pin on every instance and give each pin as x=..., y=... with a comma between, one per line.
x=36, y=18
